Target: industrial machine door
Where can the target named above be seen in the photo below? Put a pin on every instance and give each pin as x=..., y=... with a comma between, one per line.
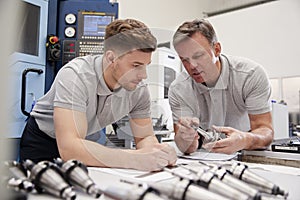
x=27, y=85
x=27, y=64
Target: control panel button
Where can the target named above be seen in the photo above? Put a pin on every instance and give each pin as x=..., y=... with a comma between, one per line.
x=70, y=32
x=70, y=18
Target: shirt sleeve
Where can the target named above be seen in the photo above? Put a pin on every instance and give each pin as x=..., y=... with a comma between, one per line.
x=141, y=107
x=71, y=92
x=180, y=106
x=257, y=92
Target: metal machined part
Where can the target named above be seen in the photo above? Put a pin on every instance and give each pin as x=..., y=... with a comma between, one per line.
x=242, y=172
x=76, y=173
x=208, y=180
x=48, y=178
x=211, y=182
x=236, y=183
x=209, y=136
x=183, y=189
x=135, y=192
x=19, y=179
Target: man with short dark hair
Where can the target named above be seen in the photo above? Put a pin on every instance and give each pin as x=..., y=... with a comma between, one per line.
x=92, y=92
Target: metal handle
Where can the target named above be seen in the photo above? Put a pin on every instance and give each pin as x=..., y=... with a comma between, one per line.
x=23, y=92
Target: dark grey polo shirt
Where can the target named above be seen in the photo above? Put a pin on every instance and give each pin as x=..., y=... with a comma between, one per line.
x=80, y=86
x=243, y=88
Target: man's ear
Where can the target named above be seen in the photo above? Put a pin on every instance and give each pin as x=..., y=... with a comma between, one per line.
x=110, y=56
x=217, y=47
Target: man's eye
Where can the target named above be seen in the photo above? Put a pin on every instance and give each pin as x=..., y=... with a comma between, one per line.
x=138, y=66
x=197, y=56
x=184, y=60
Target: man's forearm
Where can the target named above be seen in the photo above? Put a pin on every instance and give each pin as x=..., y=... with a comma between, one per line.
x=146, y=142
x=259, y=138
x=94, y=154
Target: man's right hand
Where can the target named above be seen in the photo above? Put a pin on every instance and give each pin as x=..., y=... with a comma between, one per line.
x=186, y=137
x=152, y=158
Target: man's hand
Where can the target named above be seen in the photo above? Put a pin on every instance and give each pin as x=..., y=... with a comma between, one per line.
x=260, y=137
x=235, y=140
x=186, y=137
x=152, y=158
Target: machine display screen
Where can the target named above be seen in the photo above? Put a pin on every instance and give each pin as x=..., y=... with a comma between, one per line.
x=94, y=25
x=28, y=33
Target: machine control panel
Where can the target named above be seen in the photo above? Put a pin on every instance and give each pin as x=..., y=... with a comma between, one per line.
x=80, y=27
x=87, y=37
x=90, y=47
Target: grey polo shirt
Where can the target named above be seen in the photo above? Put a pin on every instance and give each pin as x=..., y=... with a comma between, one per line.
x=80, y=86
x=243, y=88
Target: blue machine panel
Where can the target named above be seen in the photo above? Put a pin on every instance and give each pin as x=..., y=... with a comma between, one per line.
x=81, y=26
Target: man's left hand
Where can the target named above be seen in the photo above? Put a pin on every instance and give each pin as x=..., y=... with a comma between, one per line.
x=235, y=140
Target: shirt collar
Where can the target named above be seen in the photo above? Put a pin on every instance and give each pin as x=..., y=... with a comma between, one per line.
x=222, y=82
x=102, y=88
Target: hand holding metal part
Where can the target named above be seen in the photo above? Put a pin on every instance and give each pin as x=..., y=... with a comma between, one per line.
x=207, y=136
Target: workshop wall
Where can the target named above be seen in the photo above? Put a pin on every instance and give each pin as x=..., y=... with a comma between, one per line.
x=268, y=34
x=163, y=17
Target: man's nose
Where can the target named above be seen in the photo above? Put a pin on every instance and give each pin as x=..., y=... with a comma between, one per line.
x=142, y=74
x=193, y=64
